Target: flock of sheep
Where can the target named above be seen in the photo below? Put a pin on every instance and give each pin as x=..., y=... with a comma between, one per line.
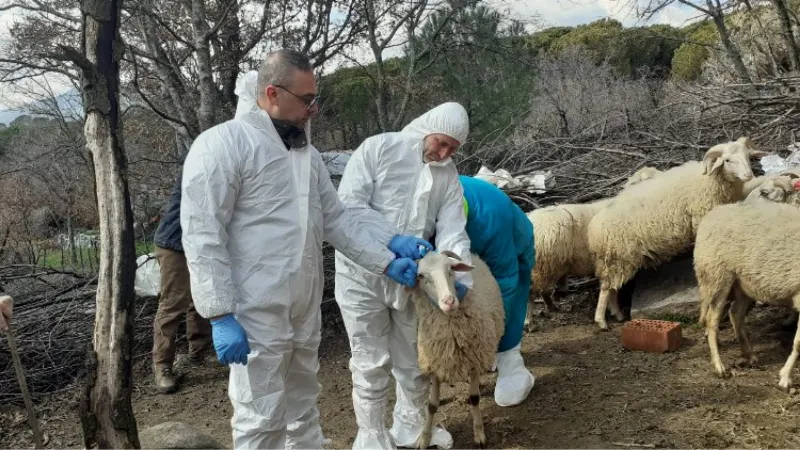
x=736, y=222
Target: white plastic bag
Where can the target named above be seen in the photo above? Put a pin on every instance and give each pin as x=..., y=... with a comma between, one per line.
x=148, y=276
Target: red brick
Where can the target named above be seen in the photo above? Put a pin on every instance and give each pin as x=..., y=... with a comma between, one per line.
x=649, y=335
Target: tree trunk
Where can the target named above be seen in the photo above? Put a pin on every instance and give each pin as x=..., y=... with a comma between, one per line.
x=72, y=248
x=724, y=36
x=230, y=55
x=788, y=35
x=106, y=412
x=206, y=113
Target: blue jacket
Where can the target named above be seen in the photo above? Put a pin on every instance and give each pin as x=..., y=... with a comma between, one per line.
x=168, y=234
x=502, y=236
x=500, y=232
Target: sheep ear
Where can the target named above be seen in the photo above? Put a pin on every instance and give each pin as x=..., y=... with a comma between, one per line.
x=451, y=254
x=712, y=161
x=460, y=266
x=757, y=154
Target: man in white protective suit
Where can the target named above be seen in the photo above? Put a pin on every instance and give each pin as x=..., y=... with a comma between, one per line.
x=407, y=182
x=257, y=203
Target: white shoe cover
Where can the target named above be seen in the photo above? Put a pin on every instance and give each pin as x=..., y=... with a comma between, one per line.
x=406, y=435
x=370, y=418
x=514, y=380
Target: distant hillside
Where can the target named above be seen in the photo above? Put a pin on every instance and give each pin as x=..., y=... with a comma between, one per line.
x=69, y=103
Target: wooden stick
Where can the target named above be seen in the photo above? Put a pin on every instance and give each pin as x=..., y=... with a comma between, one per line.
x=23, y=386
x=632, y=445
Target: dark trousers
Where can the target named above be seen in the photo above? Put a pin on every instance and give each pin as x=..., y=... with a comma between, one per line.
x=174, y=301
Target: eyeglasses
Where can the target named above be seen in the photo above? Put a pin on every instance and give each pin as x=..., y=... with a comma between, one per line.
x=303, y=98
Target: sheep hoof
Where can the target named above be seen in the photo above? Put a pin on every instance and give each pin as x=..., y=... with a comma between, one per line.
x=785, y=382
x=743, y=361
x=723, y=373
x=603, y=325
x=480, y=441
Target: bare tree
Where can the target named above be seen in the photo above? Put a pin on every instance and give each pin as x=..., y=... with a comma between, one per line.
x=183, y=58
x=392, y=23
x=106, y=412
x=713, y=9
x=787, y=32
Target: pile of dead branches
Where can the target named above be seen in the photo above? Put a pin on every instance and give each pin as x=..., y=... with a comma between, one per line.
x=596, y=160
x=53, y=324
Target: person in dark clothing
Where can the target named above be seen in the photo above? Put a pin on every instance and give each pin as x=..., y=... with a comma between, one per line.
x=175, y=300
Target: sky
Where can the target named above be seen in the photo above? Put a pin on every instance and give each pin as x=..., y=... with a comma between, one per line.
x=538, y=13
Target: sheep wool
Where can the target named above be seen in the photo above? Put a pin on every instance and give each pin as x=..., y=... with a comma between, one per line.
x=651, y=224
x=453, y=345
x=742, y=252
x=561, y=244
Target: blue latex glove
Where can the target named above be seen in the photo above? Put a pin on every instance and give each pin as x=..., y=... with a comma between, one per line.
x=230, y=340
x=403, y=271
x=409, y=246
x=461, y=290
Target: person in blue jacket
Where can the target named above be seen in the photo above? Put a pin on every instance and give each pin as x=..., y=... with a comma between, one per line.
x=502, y=236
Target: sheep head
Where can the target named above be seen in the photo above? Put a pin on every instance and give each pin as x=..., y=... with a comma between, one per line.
x=777, y=189
x=436, y=278
x=731, y=160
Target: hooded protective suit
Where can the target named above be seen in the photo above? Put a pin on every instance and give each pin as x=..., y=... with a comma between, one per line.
x=502, y=236
x=387, y=182
x=254, y=216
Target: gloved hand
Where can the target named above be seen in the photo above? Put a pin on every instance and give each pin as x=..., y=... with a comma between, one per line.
x=461, y=290
x=230, y=340
x=6, y=307
x=404, y=271
x=408, y=246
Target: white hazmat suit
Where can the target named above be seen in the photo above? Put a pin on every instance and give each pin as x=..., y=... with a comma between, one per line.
x=254, y=216
x=386, y=181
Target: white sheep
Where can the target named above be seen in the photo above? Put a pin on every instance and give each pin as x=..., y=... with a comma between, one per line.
x=460, y=344
x=645, y=173
x=779, y=189
x=658, y=220
x=748, y=187
x=561, y=247
x=742, y=255
x=561, y=244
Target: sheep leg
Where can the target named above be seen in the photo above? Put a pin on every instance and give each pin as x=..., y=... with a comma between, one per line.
x=424, y=439
x=786, y=372
x=478, y=433
x=613, y=305
x=602, y=305
x=716, y=308
x=737, y=313
x=547, y=297
x=529, y=324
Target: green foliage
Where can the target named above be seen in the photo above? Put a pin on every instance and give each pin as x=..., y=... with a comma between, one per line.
x=539, y=43
x=7, y=136
x=596, y=37
x=687, y=63
x=627, y=49
x=483, y=63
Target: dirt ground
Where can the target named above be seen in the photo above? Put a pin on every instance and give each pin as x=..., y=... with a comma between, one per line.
x=589, y=393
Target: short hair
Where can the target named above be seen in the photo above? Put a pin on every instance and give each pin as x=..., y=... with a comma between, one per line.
x=279, y=66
